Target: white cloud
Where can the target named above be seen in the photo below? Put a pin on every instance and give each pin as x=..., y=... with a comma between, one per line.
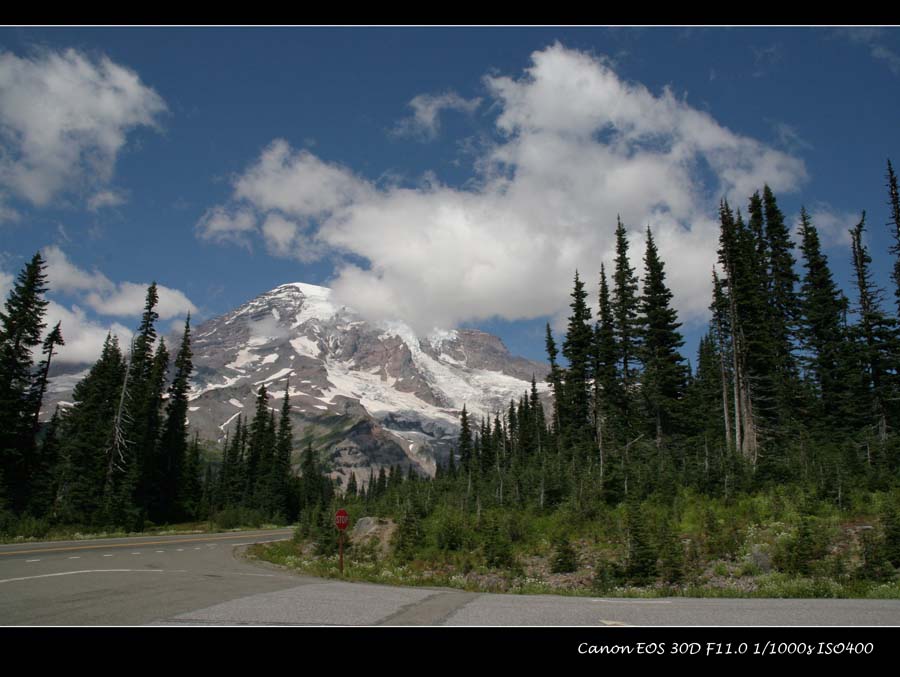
x=123, y=299
x=128, y=301
x=286, y=239
x=833, y=225
x=106, y=198
x=576, y=145
x=64, y=118
x=6, y=285
x=84, y=337
x=425, y=122
x=221, y=225
x=299, y=183
x=65, y=277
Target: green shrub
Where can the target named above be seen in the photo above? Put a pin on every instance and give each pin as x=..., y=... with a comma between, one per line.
x=565, y=560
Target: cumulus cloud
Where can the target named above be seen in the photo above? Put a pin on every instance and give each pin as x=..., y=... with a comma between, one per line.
x=84, y=334
x=106, y=198
x=105, y=297
x=84, y=337
x=574, y=146
x=64, y=118
x=222, y=225
x=63, y=276
x=833, y=225
x=128, y=299
x=425, y=122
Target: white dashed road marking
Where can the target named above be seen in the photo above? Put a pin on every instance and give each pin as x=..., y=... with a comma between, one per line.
x=32, y=560
x=76, y=557
x=107, y=555
x=94, y=571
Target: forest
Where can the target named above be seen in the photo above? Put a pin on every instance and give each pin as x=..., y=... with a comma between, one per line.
x=773, y=459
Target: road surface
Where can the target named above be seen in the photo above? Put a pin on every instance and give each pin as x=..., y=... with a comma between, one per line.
x=198, y=580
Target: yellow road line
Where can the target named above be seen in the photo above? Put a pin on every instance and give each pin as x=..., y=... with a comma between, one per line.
x=126, y=545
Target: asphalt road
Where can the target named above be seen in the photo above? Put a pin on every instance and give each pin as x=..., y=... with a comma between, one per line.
x=197, y=580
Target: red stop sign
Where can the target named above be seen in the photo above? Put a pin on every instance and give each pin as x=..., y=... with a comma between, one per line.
x=341, y=519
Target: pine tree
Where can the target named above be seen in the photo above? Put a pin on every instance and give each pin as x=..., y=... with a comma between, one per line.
x=894, y=224
x=257, y=440
x=465, y=441
x=746, y=316
x=281, y=467
x=664, y=378
x=39, y=384
x=173, y=446
x=822, y=335
x=875, y=329
x=86, y=430
x=21, y=325
x=555, y=379
x=783, y=307
x=577, y=349
x=625, y=324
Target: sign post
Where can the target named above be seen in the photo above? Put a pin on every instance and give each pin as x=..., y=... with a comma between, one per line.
x=341, y=521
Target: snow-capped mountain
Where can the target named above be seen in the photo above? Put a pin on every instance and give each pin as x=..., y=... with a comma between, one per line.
x=366, y=395
x=370, y=395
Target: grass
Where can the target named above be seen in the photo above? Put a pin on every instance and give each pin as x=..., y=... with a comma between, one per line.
x=420, y=573
x=75, y=533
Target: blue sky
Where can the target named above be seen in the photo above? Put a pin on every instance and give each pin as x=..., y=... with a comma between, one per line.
x=443, y=176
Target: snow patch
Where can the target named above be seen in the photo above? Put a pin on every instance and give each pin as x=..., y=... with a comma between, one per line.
x=244, y=357
x=225, y=425
x=305, y=347
x=269, y=359
x=236, y=403
x=277, y=375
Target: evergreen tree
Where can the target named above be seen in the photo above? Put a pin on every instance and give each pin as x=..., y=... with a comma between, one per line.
x=281, y=467
x=664, y=373
x=625, y=322
x=86, y=454
x=783, y=305
x=39, y=384
x=875, y=329
x=177, y=490
x=257, y=441
x=577, y=349
x=465, y=441
x=894, y=225
x=822, y=335
x=555, y=379
x=21, y=325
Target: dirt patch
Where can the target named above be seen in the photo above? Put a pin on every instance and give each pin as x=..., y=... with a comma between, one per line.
x=374, y=530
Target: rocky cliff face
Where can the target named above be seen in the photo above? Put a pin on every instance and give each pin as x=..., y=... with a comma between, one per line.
x=367, y=395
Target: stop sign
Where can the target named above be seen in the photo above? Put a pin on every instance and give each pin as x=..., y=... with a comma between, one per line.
x=341, y=519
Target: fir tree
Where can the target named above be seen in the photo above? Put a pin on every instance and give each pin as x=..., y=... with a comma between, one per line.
x=822, y=336
x=465, y=441
x=21, y=325
x=176, y=490
x=875, y=328
x=281, y=467
x=664, y=373
x=894, y=225
x=577, y=349
x=86, y=431
x=625, y=318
